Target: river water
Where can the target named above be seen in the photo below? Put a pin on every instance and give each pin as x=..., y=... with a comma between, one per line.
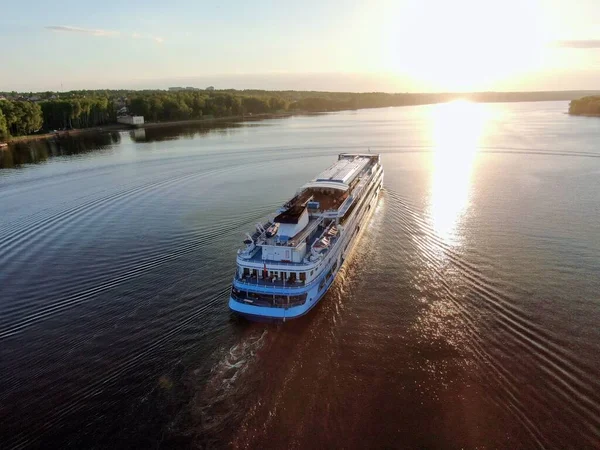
x=467, y=316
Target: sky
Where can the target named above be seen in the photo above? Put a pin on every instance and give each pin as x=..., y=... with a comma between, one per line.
x=337, y=45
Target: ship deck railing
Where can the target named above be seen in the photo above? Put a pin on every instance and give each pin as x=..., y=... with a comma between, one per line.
x=269, y=300
x=257, y=255
x=257, y=258
x=270, y=282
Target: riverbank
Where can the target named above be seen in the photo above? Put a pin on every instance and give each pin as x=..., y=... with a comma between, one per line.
x=584, y=114
x=74, y=132
x=123, y=127
x=574, y=109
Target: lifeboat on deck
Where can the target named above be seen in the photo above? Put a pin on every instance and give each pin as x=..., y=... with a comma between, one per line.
x=272, y=230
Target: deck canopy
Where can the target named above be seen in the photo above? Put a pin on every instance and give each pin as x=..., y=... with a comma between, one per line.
x=344, y=170
x=340, y=175
x=326, y=185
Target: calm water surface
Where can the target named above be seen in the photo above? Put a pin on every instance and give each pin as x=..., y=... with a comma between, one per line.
x=467, y=317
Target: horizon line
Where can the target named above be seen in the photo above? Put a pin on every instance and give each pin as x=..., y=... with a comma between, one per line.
x=194, y=88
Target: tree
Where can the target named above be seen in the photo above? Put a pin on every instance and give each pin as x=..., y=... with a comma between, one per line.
x=139, y=106
x=156, y=108
x=276, y=104
x=3, y=127
x=255, y=105
x=21, y=117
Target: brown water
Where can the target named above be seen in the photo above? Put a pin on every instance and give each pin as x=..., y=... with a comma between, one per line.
x=467, y=316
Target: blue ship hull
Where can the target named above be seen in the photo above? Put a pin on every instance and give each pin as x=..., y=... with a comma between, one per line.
x=270, y=314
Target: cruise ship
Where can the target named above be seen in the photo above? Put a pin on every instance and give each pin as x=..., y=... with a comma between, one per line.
x=289, y=261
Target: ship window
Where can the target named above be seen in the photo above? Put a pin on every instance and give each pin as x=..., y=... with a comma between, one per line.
x=237, y=294
x=302, y=276
x=246, y=271
x=296, y=300
x=280, y=300
x=311, y=272
x=322, y=283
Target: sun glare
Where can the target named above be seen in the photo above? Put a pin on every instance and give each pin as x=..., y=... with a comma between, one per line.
x=456, y=129
x=467, y=46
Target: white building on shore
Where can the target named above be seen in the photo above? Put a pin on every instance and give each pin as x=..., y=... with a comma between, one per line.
x=131, y=120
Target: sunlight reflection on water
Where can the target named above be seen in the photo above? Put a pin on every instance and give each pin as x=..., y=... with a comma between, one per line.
x=456, y=129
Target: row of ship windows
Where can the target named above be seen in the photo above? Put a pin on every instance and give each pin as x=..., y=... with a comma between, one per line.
x=281, y=275
x=272, y=300
x=327, y=277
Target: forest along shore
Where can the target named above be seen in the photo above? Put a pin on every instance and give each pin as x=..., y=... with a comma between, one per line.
x=31, y=114
x=164, y=124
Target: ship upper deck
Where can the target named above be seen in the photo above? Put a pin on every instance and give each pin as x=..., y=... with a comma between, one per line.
x=330, y=196
x=295, y=240
x=257, y=257
x=307, y=235
x=341, y=174
x=344, y=170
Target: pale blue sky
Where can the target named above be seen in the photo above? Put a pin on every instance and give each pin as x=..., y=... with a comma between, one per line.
x=389, y=45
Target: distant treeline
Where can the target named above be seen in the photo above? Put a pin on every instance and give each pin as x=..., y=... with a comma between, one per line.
x=182, y=105
x=20, y=117
x=26, y=113
x=585, y=106
x=76, y=112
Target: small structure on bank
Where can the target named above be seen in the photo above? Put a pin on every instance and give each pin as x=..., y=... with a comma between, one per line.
x=134, y=121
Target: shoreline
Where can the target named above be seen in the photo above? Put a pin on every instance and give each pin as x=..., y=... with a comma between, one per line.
x=117, y=127
x=584, y=114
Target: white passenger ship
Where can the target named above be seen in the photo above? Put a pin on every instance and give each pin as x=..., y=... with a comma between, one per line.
x=289, y=262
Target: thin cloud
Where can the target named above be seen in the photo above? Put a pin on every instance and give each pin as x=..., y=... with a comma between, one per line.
x=587, y=43
x=104, y=33
x=93, y=32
